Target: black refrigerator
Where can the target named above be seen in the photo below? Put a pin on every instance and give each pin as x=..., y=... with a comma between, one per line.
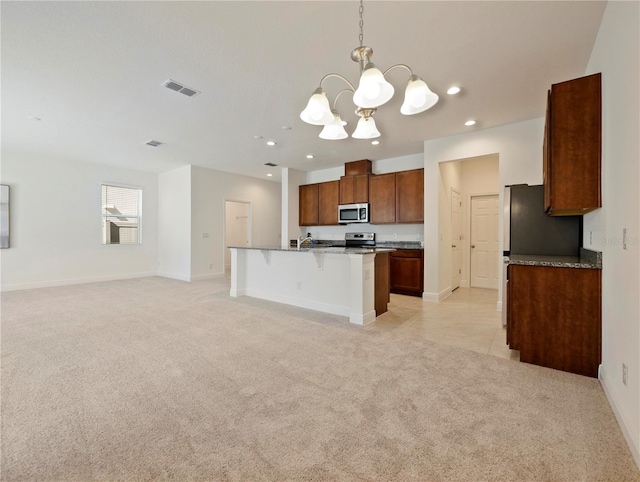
x=529, y=230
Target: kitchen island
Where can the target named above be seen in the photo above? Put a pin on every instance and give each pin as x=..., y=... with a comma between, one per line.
x=342, y=281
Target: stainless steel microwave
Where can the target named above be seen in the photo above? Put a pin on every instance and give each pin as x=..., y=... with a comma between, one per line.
x=353, y=213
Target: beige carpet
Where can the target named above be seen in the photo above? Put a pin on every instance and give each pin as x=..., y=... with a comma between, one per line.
x=155, y=379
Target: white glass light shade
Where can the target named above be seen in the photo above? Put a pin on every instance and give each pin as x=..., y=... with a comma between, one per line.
x=318, y=111
x=334, y=130
x=417, y=97
x=373, y=89
x=366, y=129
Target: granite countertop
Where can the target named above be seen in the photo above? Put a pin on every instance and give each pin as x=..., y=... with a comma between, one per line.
x=588, y=259
x=319, y=249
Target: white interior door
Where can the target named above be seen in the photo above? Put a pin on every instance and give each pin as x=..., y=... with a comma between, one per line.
x=484, y=241
x=236, y=228
x=456, y=239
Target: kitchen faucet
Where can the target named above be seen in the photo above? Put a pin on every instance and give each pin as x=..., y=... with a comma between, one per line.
x=304, y=238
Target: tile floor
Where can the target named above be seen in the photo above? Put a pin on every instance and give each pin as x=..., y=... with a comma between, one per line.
x=466, y=319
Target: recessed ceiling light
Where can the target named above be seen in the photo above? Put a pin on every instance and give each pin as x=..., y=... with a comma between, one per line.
x=257, y=137
x=470, y=123
x=375, y=143
x=453, y=90
x=310, y=156
x=286, y=128
x=271, y=143
x=269, y=175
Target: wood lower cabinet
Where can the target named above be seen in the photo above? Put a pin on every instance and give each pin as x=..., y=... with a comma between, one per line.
x=382, y=198
x=328, y=199
x=572, y=147
x=410, y=196
x=354, y=189
x=407, y=272
x=554, y=317
x=308, y=205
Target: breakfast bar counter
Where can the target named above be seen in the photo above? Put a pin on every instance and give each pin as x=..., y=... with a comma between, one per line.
x=336, y=280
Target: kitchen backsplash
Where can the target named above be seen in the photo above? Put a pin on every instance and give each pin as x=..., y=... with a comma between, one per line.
x=395, y=232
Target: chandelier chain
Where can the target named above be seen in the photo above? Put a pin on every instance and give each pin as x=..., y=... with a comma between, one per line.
x=361, y=23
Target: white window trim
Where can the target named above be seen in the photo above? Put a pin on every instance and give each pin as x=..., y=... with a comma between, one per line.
x=139, y=216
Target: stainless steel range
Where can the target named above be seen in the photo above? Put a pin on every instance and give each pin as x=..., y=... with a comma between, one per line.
x=360, y=240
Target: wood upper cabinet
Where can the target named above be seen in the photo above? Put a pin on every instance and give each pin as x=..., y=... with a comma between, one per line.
x=308, y=205
x=382, y=198
x=410, y=196
x=318, y=204
x=328, y=199
x=356, y=168
x=554, y=317
x=354, y=189
x=573, y=146
x=407, y=271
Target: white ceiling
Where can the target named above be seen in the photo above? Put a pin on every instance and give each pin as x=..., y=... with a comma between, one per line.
x=92, y=71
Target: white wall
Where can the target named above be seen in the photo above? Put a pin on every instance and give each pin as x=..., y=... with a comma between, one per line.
x=291, y=180
x=56, y=224
x=209, y=191
x=174, y=207
x=519, y=149
x=616, y=54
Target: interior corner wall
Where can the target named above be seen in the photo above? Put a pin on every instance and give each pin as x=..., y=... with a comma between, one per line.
x=292, y=179
x=519, y=149
x=450, y=174
x=174, y=227
x=209, y=191
x=616, y=54
x=56, y=225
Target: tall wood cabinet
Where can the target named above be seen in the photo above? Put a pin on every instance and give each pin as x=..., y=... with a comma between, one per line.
x=410, y=196
x=572, y=147
x=382, y=198
x=554, y=317
x=308, y=205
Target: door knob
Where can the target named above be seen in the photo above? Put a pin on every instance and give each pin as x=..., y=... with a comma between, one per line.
x=473, y=245
x=453, y=245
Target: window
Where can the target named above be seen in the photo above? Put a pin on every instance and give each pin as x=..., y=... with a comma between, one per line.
x=121, y=215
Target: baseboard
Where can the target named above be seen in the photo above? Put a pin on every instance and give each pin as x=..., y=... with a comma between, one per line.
x=73, y=281
x=202, y=277
x=623, y=422
x=437, y=297
x=178, y=276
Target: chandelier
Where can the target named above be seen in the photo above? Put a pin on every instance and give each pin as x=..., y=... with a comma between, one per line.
x=372, y=92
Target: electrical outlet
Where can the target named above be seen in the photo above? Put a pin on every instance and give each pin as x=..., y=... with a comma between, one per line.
x=625, y=374
x=299, y=285
x=624, y=238
x=205, y=235
x=210, y=265
x=590, y=238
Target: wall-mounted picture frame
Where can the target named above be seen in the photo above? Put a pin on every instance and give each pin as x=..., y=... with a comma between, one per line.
x=4, y=216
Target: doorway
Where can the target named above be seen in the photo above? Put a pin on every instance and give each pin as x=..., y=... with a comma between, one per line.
x=456, y=239
x=485, y=211
x=237, y=228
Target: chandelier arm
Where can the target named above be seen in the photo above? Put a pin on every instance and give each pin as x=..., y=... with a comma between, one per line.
x=353, y=89
x=398, y=65
x=338, y=95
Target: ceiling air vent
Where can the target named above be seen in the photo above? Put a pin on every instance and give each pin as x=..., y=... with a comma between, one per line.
x=178, y=87
x=153, y=143
x=270, y=164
